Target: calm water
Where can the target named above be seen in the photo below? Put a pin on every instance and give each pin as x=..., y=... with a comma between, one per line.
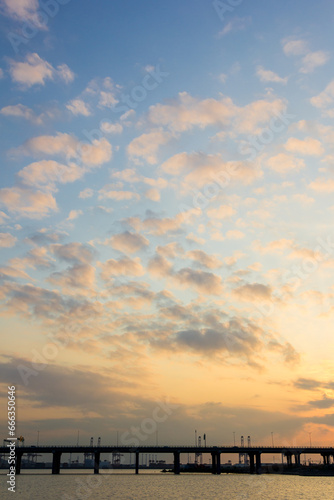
x=152, y=486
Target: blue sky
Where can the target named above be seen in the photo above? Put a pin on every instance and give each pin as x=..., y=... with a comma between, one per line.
x=166, y=203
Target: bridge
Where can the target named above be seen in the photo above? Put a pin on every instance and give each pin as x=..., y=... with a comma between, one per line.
x=254, y=453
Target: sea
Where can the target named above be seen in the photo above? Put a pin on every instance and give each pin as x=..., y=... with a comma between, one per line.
x=148, y=485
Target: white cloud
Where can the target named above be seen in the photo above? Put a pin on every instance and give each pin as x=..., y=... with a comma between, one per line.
x=146, y=146
x=283, y=163
x=65, y=73
x=26, y=202
x=7, y=240
x=322, y=185
x=107, y=99
x=266, y=75
x=78, y=107
x=153, y=194
x=222, y=212
x=46, y=173
x=313, y=60
x=86, y=193
x=22, y=10
x=325, y=99
x=22, y=111
x=294, y=47
x=236, y=24
x=91, y=154
x=308, y=146
x=187, y=112
x=107, y=193
x=235, y=234
x=74, y=214
x=121, y=267
x=97, y=153
x=111, y=128
x=128, y=242
x=200, y=169
x=36, y=71
x=62, y=144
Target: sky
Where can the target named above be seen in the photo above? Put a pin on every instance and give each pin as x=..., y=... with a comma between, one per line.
x=166, y=207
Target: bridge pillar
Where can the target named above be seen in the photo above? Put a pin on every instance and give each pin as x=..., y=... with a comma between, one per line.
x=289, y=458
x=176, y=462
x=251, y=463
x=214, y=463
x=137, y=462
x=56, y=462
x=18, y=462
x=97, y=455
x=297, y=458
x=218, y=463
x=258, y=462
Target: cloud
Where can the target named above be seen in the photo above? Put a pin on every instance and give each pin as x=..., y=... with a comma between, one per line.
x=73, y=253
x=7, y=240
x=22, y=10
x=104, y=90
x=294, y=47
x=26, y=202
x=74, y=214
x=60, y=144
x=45, y=174
x=313, y=60
x=109, y=192
x=21, y=111
x=159, y=267
x=78, y=107
x=187, y=112
x=274, y=246
x=235, y=234
x=283, y=163
x=202, y=281
x=65, y=73
x=147, y=146
x=310, y=384
x=97, y=153
x=322, y=185
x=159, y=226
x=253, y=292
x=121, y=267
x=171, y=250
x=128, y=242
x=232, y=339
x=86, y=193
x=36, y=71
x=325, y=99
x=203, y=259
x=236, y=24
x=77, y=279
x=111, y=128
x=266, y=75
x=92, y=155
x=222, y=212
x=153, y=194
x=201, y=169
x=323, y=403
x=308, y=146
